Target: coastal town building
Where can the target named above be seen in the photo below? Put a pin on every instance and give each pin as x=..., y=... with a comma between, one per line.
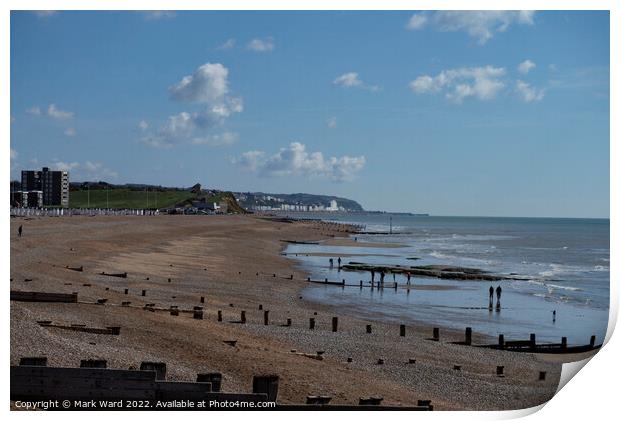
x=51, y=186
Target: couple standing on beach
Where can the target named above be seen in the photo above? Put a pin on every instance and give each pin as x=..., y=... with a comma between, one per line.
x=498, y=291
x=331, y=263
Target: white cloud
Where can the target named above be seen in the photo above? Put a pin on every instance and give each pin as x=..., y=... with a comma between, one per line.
x=332, y=123
x=348, y=80
x=70, y=131
x=352, y=80
x=250, y=160
x=97, y=170
x=45, y=13
x=228, y=44
x=417, y=21
x=14, y=154
x=64, y=166
x=529, y=93
x=525, y=66
x=88, y=169
x=218, y=139
x=207, y=84
x=143, y=125
x=57, y=113
x=259, y=45
x=294, y=160
x=158, y=14
x=481, y=25
x=34, y=110
x=479, y=82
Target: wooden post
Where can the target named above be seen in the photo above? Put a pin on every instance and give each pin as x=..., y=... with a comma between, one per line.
x=395, y=286
x=243, y=316
x=144, y=293
x=411, y=360
x=219, y=315
x=174, y=311
x=126, y=291
x=380, y=361
x=368, y=328
x=267, y=385
x=266, y=317
x=501, y=341
x=308, y=279
x=260, y=306
x=289, y=322
x=349, y=359
x=542, y=375
x=402, y=330
x=334, y=324
x=532, y=340
x=202, y=300
x=500, y=371
x=468, y=336
x=198, y=314
x=436, y=334
x=592, y=340
x=311, y=323
x=564, y=342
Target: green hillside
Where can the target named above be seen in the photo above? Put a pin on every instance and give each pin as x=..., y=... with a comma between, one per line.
x=127, y=198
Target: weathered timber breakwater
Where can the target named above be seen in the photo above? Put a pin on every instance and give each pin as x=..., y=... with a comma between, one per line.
x=433, y=271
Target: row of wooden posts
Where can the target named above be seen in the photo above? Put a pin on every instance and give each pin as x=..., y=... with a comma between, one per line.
x=198, y=314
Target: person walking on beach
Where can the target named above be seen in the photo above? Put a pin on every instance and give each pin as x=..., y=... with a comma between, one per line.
x=553, y=316
x=408, y=278
x=382, y=278
x=331, y=263
x=394, y=276
x=19, y=231
x=372, y=277
x=498, y=291
x=339, y=261
x=491, y=297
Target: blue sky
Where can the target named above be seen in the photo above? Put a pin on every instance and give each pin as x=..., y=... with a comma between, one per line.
x=450, y=113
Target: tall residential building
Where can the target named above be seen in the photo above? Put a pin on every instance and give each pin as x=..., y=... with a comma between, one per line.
x=53, y=184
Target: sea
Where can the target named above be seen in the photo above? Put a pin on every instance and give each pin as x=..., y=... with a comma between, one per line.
x=566, y=262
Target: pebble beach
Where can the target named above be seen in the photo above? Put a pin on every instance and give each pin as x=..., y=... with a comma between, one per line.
x=236, y=264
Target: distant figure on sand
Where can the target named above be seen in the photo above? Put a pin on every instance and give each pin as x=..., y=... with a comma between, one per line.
x=553, y=316
x=331, y=263
x=19, y=231
x=382, y=277
x=339, y=261
x=491, y=296
x=408, y=278
x=394, y=276
x=372, y=276
x=498, y=291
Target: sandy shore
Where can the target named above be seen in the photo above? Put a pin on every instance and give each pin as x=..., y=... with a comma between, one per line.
x=231, y=261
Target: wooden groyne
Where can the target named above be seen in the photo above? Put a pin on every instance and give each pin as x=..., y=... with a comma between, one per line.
x=43, y=297
x=432, y=271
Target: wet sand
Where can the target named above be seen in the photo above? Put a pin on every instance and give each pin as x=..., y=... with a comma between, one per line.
x=231, y=261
